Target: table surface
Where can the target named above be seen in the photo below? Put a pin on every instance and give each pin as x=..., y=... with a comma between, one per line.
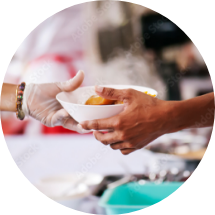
x=53, y=155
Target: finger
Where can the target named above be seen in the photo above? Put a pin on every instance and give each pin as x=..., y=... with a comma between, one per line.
x=73, y=83
x=58, y=117
x=99, y=124
x=72, y=125
x=127, y=151
x=62, y=118
x=114, y=94
x=121, y=145
x=106, y=138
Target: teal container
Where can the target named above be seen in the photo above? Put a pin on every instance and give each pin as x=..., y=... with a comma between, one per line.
x=133, y=196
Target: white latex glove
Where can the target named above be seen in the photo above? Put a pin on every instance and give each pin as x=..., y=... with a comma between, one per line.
x=39, y=102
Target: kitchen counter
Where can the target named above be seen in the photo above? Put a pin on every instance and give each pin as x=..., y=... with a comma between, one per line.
x=54, y=155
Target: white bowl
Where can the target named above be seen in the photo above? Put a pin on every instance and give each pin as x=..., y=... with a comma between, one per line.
x=74, y=103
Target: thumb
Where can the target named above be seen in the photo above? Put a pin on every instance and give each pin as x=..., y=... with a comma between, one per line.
x=114, y=94
x=73, y=83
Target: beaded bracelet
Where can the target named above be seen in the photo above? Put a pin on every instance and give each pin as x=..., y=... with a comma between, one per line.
x=19, y=99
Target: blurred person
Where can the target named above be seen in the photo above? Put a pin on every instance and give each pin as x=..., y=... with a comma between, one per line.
x=145, y=118
x=39, y=102
x=51, y=52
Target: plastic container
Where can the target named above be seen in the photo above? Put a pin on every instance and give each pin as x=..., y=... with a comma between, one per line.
x=133, y=196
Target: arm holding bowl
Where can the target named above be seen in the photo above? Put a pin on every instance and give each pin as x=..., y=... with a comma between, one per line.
x=39, y=102
x=145, y=118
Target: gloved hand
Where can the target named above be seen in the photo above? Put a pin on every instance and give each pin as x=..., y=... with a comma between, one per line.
x=39, y=102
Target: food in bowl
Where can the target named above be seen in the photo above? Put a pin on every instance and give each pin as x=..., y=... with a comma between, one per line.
x=153, y=95
x=97, y=100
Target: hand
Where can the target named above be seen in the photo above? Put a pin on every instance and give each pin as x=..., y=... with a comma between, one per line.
x=40, y=103
x=142, y=121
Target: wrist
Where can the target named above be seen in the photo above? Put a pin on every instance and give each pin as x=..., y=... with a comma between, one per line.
x=174, y=116
x=26, y=96
x=8, y=98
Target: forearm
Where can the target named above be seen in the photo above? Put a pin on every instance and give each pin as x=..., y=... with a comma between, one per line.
x=194, y=113
x=8, y=98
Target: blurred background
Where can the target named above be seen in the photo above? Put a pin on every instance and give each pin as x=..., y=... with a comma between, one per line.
x=114, y=43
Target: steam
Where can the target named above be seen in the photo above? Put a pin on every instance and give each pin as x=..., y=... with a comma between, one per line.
x=129, y=70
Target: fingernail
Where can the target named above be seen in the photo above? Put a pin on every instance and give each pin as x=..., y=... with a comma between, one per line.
x=99, y=89
x=79, y=72
x=80, y=129
x=72, y=79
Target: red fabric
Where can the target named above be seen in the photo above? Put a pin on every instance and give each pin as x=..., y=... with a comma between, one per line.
x=61, y=59
x=56, y=130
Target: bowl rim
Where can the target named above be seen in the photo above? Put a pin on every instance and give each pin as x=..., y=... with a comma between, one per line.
x=99, y=106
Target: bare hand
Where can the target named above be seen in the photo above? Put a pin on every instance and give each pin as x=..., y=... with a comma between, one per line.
x=142, y=121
